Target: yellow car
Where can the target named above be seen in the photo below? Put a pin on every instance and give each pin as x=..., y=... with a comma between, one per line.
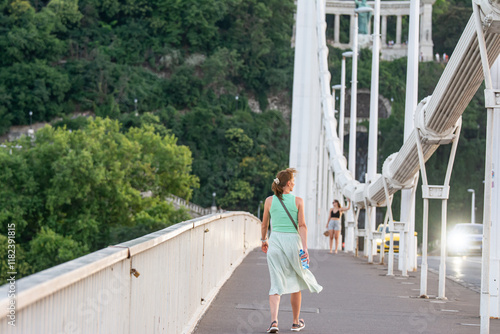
x=395, y=239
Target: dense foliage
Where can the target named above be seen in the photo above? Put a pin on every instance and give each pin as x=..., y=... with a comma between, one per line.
x=449, y=18
x=66, y=55
x=71, y=192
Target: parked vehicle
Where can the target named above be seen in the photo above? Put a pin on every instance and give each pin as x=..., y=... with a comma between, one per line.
x=387, y=240
x=465, y=239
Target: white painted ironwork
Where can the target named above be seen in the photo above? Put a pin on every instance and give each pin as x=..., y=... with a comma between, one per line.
x=159, y=283
x=440, y=192
x=495, y=210
x=411, y=101
x=371, y=173
x=353, y=119
x=456, y=87
x=306, y=119
x=486, y=18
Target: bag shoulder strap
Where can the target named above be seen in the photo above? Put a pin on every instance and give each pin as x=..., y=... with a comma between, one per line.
x=288, y=213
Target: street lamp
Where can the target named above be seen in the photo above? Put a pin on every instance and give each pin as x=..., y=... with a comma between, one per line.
x=31, y=119
x=354, y=93
x=347, y=54
x=371, y=170
x=473, y=209
x=353, y=120
x=214, y=207
x=334, y=88
x=236, y=98
x=135, y=102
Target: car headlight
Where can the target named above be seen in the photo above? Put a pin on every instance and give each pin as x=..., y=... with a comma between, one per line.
x=457, y=241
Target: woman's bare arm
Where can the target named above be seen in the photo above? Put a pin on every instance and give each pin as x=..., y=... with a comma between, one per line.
x=345, y=209
x=265, y=223
x=302, y=225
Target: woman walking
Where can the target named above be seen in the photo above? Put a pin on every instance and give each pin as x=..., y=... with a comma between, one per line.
x=334, y=225
x=288, y=237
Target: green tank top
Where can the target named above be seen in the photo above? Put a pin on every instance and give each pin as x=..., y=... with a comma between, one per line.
x=280, y=222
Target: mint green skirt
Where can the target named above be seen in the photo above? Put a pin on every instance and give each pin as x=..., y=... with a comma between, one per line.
x=285, y=269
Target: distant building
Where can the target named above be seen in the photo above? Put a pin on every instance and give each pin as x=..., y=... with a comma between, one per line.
x=394, y=18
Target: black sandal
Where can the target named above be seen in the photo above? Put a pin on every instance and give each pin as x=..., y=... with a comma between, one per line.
x=298, y=327
x=272, y=328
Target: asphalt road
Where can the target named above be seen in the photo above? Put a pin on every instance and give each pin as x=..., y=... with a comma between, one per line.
x=465, y=270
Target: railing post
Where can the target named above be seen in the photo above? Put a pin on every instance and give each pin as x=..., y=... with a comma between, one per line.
x=435, y=192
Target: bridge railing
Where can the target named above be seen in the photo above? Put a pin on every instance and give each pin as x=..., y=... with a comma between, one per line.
x=193, y=208
x=159, y=283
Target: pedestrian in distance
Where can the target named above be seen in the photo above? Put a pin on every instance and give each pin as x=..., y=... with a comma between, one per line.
x=334, y=225
x=288, y=270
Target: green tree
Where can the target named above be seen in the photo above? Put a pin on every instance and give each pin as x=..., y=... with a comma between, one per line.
x=446, y=34
x=239, y=193
x=239, y=143
x=28, y=35
x=83, y=189
x=36, y=87
x=66, y=11
x=48, y=249
x=21, y=265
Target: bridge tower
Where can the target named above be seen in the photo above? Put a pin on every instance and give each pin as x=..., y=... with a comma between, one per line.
x=305, y=150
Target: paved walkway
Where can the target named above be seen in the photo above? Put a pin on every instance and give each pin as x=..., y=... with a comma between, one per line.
x=357, y=298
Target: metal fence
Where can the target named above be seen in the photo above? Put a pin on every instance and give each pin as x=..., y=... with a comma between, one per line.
x=193, y=208
x=179, y=271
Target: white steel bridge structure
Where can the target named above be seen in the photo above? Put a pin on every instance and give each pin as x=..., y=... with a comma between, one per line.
x=317, y=153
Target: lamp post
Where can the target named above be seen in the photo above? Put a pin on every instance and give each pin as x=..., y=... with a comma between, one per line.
x=473, y=209
x=31, y=132
x=236, y=98
x=407, y=246
x=354, y=92
x=341, y=117
x=354, y=84
x=334, y=98
x=214, y=207
x=371, y=214
x=354, y=101
x=345, y=55
x=135, y=103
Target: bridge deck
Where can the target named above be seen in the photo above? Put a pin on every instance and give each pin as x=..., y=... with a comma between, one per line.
x=357, y=298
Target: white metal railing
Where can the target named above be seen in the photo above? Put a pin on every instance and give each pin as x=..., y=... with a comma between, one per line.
x=190, y=206
x=180, y=269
